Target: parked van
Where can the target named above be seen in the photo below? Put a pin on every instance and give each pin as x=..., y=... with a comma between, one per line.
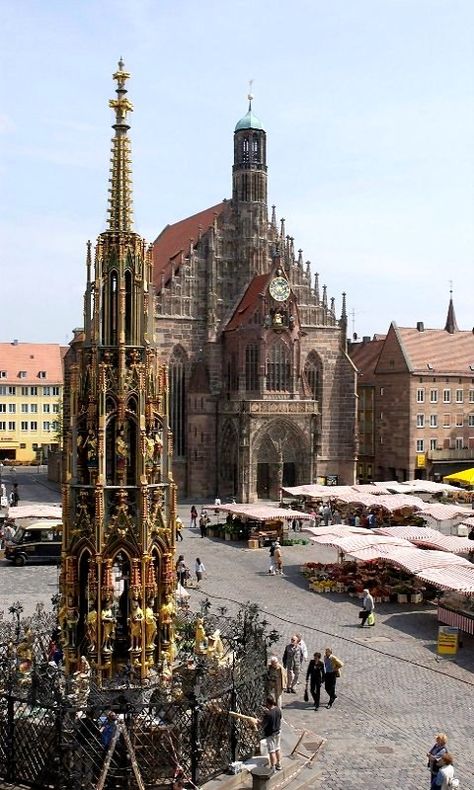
x=36, y=542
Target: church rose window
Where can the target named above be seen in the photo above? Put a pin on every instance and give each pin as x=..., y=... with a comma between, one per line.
x=278, y=368
x=177, y=386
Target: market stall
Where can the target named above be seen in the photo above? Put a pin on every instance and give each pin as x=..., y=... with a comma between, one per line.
x=426, y=569
x=259, y=524
x=424, y=536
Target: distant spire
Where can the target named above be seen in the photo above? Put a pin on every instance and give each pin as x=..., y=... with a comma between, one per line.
x=282, y=228
x=451, y=323
x=250, y=95
x=120, y=201
x=325, y=296
x=344, y=308
x=308, y=269
x=316, y=287
x=274, y=218
x=292, y=248
x=300, y=258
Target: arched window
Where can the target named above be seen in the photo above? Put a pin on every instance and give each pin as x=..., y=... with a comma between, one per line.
x=251, y=368
x=113, y=310
x=278, y=368
x=128, y=307
x=313, y=375
x=245, y=150
x=177, y=385
x=255, y=149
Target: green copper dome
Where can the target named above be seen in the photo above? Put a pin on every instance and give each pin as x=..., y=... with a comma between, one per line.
x=249, y=121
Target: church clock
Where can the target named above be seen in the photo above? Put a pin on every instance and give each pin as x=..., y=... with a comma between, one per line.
x=279, y=289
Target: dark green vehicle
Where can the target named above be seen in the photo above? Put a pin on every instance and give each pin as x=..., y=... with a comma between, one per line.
x=37, y=542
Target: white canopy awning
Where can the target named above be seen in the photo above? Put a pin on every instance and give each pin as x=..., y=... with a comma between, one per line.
x=262, y=512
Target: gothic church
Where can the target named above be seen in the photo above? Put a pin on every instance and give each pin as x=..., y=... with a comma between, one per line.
x=262, y=391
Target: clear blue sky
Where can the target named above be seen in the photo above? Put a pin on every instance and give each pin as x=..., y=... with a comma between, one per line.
x=368, y=108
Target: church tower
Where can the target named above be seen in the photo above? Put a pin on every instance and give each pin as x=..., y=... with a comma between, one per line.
x=249, y=192
x=119, y=500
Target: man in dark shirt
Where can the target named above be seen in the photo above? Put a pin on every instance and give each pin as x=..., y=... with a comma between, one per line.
x=271, y=724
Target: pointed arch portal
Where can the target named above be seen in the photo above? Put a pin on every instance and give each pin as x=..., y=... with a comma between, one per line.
x=280, y=458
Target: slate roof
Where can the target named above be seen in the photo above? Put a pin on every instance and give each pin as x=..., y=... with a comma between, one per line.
x=31, y=358
x=174, y=239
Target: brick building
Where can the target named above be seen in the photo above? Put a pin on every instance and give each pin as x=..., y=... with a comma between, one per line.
x=31, y=388
x=416, y=402
x=262, y=391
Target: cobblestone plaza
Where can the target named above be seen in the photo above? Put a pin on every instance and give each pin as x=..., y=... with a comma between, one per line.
x=393, y=695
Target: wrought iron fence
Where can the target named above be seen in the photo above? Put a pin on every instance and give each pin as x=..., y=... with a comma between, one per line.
x=126, y=733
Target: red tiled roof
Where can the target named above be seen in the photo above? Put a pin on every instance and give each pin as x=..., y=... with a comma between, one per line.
x=175, y=238
x=31, y=358
x=248, y=302
x=444, y=352
x=365, y=355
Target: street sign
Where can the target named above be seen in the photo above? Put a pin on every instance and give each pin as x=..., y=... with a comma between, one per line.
x=448, y=640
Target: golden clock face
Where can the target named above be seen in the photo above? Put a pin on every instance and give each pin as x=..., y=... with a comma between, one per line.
x=279, y=289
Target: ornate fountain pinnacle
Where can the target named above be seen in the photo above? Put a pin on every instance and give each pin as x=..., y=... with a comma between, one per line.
x=120, y=201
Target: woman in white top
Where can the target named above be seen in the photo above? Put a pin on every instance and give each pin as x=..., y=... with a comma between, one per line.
x=199, y=569
x=445, y=775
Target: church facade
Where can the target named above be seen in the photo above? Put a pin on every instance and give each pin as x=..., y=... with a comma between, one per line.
x=262, y=390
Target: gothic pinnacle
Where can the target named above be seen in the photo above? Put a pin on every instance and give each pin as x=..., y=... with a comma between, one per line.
x=120, y=200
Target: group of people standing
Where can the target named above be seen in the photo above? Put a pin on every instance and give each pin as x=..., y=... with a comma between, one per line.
x=321, y=671
x=440, y=764
x=183, y=573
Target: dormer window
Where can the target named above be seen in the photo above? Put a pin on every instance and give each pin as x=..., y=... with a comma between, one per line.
x=42, y=374
x=22, y=374
x=3, y=374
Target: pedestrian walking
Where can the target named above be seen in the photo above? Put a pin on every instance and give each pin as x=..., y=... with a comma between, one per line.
x=203, y=525
x=278, y=559
x=179, y=528
x=303, y=647
x=271, y=569
x=181, y=571
x=366, y=614
x=199, y=570
x=326, y=515
x=194, y=516
x=437, y=751
x=332, y=670
x=276, y=680
x=445, y=776
x=292, y=660
x=271, y=726
x=14, y=496
x=315, y=677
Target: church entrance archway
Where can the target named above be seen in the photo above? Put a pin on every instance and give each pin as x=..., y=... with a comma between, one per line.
x=263, y=480
x=228, y=485
x=280, y=458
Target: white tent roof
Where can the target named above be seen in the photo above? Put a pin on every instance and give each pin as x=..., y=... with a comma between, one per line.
x=35, y=511
x=423, y=536
x=262, y=512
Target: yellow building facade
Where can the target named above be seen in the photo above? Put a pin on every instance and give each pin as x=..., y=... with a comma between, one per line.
x=31, y=391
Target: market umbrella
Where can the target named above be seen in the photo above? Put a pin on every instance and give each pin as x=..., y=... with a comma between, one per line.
x=466, y=477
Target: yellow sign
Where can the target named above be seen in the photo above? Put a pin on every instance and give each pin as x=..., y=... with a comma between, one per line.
x=421, y=460
x=447, y=640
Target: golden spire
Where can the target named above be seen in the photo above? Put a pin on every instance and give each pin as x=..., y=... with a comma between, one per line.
x=120, y=200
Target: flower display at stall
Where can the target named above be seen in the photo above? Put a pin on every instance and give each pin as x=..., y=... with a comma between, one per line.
x=385, y=582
